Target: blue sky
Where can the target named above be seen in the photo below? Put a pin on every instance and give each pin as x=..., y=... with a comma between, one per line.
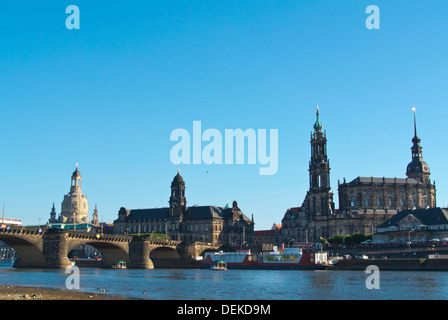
x=107, y=96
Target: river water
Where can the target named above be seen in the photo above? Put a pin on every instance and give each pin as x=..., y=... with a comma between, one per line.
x=199, y=284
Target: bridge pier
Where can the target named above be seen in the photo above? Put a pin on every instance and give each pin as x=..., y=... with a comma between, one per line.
x=139, y=250
x=55, y=249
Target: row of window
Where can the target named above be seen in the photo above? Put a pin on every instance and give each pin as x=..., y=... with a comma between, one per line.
x=164, y=227
x=408, y=228
x=390, y=202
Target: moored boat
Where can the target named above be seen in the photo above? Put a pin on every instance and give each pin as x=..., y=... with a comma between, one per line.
x=288, y=259
x=219, y=265
x=120, y=264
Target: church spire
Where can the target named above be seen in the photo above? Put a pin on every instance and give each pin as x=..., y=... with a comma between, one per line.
x=317, y=125
x=53, y=214
x=417, y=168
x=415, y=123
x=416, y=147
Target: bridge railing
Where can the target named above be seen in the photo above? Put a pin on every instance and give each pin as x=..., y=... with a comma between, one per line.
x=21, y=229
x=98, y=236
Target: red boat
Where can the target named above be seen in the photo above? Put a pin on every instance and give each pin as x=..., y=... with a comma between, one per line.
x=289, y=259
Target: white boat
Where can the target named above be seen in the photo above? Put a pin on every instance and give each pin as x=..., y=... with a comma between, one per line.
x=218, y=265
x=120, y=264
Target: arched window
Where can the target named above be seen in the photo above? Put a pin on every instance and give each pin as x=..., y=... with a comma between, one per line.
x=366, y=202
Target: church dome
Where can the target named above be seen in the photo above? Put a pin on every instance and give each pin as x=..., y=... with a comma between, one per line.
x=75, y=205
x=417, y=166
x=177, y=179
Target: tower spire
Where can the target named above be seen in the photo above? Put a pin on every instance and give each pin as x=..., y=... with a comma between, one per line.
x=417, y=168
x=415, y=122
x=416, y=148
x=317, y=125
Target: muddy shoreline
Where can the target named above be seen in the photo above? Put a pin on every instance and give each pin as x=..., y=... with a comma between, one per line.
x=11, y=292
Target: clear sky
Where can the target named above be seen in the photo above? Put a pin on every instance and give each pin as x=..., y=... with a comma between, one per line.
x=107, y=96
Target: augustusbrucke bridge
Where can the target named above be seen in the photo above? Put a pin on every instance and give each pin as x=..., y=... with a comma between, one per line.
x=50, y=248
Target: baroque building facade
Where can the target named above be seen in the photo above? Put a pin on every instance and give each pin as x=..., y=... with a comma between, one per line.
x=364, y=203
x=218, y=225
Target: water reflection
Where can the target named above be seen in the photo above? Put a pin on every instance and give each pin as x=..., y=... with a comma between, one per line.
x=240, y=284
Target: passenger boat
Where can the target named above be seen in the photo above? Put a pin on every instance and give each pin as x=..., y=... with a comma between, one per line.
x=120, y=264
x=288, y=259
x=218, y=265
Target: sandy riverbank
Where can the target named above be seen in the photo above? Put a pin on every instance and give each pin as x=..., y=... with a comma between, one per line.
x=8, y=292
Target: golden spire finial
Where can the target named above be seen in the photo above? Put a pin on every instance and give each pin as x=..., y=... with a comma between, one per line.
x=317, y=107
x=177, y=170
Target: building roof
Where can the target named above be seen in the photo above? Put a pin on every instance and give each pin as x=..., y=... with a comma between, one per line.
x=148, y=214
x=193, y=213
x=428, y=217
x=375, y=180
x=205, y=212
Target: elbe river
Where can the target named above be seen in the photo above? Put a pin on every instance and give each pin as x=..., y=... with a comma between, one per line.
x=204, y=284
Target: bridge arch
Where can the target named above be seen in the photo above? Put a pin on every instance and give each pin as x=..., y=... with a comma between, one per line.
x=110, y=250
x=164, y=253
x=165, y=257
x=28, y=246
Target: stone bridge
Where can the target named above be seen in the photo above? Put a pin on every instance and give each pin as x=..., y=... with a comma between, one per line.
x=49, y=248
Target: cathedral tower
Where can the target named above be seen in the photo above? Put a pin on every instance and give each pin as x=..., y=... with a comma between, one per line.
x=320, y=196
x=319, y=167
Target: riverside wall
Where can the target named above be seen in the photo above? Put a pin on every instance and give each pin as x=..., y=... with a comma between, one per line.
x=423, y=264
